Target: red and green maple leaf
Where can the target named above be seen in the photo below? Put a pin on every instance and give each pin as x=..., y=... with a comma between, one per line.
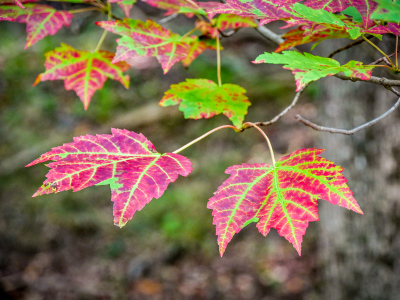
x=224, y=21
x=307, y=67
x=364, y=7
x=6, y=19
x=312, y=32
x=313, y=17
x=151, y=39
x=125, y=160
x=203, y=98
x=302, y=35
x=230, y=21
x=41, y=20
x=17, y=2
x=264, y=10
x=197, y=47
x=126, y=5
x=284, y=196
x=189, y=8
x=82, y=71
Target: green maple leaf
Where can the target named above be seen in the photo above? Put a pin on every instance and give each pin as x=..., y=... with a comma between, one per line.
x=307, y=67
x=387, y=10
x=203, y=98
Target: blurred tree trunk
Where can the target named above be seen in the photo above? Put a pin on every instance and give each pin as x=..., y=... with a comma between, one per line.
x=360, y=254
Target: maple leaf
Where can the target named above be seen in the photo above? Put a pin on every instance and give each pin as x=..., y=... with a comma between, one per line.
x=17, y=2
x=284, y=196
x=41, y=20
x=126, y=5
x=302, y=35
x=197, y=47
x=224, y=21
x=189, y=8
x=6, y=19
x=365, y=7
x=125, y=160
x=312, y=32
x=394, y=28
x=312, y=17
x=82, y=71
x=307, y=67
x=264, y=10
x=387, y=10
x=150, y=39
x=203, y=98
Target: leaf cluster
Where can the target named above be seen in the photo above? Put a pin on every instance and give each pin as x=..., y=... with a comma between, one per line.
x=283, y=195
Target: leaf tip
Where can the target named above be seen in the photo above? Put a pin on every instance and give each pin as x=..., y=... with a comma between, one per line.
x=221, y=251
x=118, y=225
x=37, y=80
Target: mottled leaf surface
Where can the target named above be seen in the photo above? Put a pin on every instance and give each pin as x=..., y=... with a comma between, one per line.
x=315, y=17
x=82, y=71
x=197, y=47
x=302, y=35
x=17, y=2
x=365, y=7
x=307, y=67
x=6, y=18
x=387, y=10
x=41, y=20
x=125, y=160
x=264, y=10
x=284, y=197
x=183, y=6
x=203, y=98
x=223, y=22
x=312, y=32
x=149, y=39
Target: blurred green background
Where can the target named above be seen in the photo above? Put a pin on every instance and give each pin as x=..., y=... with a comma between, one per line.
x=65, y=246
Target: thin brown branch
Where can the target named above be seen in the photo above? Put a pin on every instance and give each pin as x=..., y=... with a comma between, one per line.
x=168, y=19
x=227, y=34
x=284, y=112
x=270, y=35
x=376, y=80
x=354, y=130
x=383, y=59
x=351, y=45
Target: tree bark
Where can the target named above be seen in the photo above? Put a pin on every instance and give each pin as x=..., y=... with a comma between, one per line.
x=359, y=254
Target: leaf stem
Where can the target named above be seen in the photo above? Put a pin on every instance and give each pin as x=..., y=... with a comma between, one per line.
x=193, y=3
x=203, y=136
x=383, y=66
x=103, y=36
x=75, y=11
x=377, y=48
x=200, y=17
x=188, y=33
x=218, y=61
x=266, y=138
x=397, y=44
